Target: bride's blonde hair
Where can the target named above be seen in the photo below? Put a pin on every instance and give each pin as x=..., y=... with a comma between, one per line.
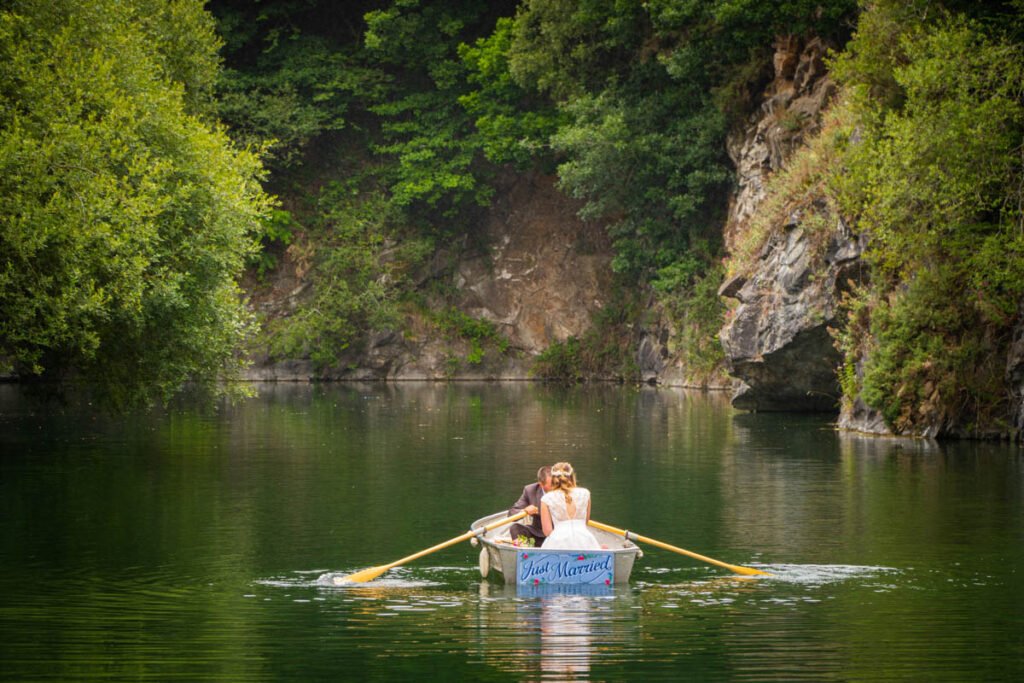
x=563, y=478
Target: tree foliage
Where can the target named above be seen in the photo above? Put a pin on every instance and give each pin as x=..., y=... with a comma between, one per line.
x=293, y=76
x=124, y=214
x=934, y=176
x=373, y=90
x=514, y=125
x=648, y=92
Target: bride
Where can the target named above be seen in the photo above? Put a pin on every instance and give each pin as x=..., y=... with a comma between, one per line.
x=565, y=511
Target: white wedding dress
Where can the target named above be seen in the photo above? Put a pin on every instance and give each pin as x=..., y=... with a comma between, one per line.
x=569, y=533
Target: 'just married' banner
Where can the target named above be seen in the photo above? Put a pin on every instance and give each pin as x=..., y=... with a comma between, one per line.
x=537, y=566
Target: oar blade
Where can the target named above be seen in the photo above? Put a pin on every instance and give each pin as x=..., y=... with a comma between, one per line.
x=747, y=571
x=373, y=572
x=361, y=576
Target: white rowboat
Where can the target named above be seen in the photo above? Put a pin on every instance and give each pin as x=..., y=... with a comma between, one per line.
x=499, y=555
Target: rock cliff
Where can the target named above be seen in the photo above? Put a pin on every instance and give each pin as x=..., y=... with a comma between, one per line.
x=542, y=273
x=790, y=112
x=776, y=340
x=538, y=273
x=545, y=271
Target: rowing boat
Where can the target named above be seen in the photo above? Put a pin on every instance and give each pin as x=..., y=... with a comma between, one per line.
x=527, y=565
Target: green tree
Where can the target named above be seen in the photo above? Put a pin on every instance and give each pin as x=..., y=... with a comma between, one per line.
x=435, y=172
x=294, y=77
x=514, y=126
x=125, y=216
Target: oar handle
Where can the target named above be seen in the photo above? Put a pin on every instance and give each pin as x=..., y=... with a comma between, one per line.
x=629, y=535
x=458, y=539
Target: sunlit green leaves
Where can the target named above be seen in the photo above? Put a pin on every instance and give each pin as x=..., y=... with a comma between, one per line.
x=123, y=219
x=513, y=126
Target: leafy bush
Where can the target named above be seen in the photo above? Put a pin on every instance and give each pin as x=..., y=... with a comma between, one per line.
x=276, y=232
x=699, y=315
x=514, y=127
x=359, y=271
x=477, y=332
x=605, y=351
x=561, y=361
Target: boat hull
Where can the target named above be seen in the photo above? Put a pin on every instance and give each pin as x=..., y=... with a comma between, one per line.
x=499, y=556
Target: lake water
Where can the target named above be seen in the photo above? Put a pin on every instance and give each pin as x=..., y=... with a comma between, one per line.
x=193, y=544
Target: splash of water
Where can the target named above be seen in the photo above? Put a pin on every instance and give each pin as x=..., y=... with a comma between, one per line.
x=821, y=574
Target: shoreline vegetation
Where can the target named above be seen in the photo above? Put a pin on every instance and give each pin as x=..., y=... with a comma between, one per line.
x=155, y=155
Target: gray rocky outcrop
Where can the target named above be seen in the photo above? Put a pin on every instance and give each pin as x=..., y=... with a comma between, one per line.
x=660, y=359
x=777, y=342
x=654, y=358
x=790, y=112
x=657, y=356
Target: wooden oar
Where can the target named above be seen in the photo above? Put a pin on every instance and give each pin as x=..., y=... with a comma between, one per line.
x=373, y=572
x=629, y=535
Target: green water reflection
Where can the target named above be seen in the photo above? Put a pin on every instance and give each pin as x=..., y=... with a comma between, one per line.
x=190, y=544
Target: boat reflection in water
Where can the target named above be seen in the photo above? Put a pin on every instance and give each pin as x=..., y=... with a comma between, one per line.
x=566, y=628
x=562, y=629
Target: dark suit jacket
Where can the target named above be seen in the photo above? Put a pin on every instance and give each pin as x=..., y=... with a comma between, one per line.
x=532, y=493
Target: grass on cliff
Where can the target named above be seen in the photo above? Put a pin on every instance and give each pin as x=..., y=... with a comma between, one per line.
x=802, y=191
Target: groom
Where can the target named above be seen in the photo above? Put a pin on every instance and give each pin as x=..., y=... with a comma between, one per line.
x=530, y=501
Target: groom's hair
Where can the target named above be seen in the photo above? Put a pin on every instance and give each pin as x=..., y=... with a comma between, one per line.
x=543, y=473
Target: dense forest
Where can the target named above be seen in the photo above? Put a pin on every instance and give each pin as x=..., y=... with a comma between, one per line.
x=154, y=150
x=391, y=122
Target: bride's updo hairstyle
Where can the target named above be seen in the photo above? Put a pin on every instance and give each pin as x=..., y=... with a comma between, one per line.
x=563, y=478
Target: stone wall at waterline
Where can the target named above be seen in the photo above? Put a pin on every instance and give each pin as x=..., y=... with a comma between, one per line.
x=1015, y=377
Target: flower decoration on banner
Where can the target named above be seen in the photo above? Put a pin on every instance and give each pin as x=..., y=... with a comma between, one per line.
x=526, y=556
x=581, y=557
